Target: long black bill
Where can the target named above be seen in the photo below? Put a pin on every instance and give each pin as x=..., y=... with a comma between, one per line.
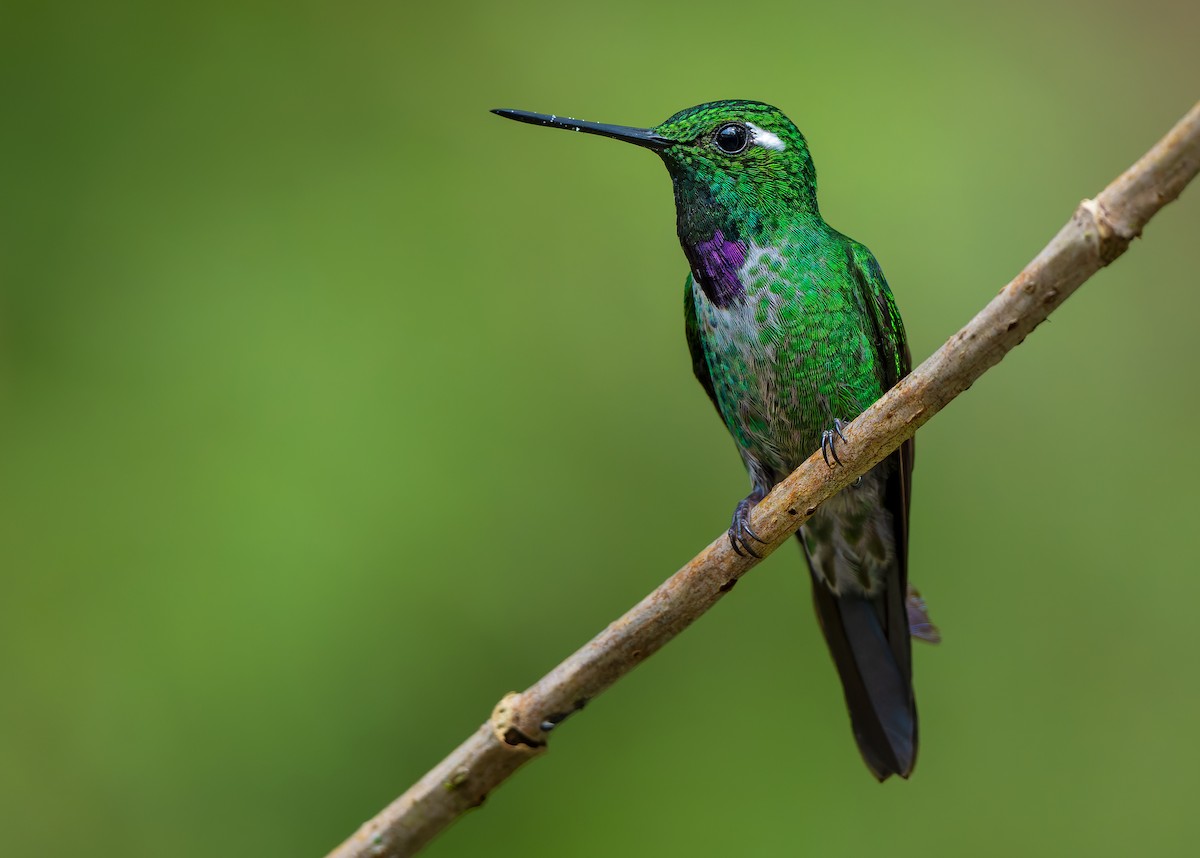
x=637, y=136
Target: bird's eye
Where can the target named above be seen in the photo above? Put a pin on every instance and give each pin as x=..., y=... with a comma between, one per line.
x=731, y=138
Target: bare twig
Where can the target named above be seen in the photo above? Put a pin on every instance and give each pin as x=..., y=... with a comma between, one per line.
x=1099, y=232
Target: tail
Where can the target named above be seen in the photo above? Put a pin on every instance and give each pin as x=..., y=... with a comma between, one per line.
x=869, y=640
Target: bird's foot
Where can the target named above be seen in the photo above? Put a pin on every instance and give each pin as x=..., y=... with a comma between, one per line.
x=829, y=442
x=740, y=532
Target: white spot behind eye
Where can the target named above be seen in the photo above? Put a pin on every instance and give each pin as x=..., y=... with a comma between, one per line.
x=766, y=139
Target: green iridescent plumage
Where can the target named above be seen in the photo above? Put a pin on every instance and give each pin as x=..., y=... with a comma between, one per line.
x=795, y=354
x=793, y=330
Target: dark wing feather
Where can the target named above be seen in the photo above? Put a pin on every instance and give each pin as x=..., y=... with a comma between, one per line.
x=895, y=360
x=891, y=344
x=869, y=636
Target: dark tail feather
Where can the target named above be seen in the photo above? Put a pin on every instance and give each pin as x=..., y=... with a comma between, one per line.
x=876, y=672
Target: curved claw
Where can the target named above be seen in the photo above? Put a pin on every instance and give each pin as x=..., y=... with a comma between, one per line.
x=829, y=445
x=736, y=546
x=740, y=531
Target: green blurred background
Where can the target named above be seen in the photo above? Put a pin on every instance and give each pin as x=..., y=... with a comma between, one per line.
x=334, y=407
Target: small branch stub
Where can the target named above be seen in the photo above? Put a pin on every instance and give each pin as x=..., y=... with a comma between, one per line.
x=507, y=724
x=1109, y=244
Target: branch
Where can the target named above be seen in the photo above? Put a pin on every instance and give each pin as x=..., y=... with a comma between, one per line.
x=1098, y=232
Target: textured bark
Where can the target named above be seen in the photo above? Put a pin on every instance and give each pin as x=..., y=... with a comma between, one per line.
x=1098, y=232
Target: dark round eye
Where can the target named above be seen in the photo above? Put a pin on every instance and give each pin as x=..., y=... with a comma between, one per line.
x=731, y=138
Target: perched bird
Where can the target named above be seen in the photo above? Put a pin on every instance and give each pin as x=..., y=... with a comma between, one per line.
x=793, y=330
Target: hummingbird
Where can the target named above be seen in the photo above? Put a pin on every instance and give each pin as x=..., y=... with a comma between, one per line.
x=793, y=331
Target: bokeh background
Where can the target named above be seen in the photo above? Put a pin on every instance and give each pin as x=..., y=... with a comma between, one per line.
x=333, y=407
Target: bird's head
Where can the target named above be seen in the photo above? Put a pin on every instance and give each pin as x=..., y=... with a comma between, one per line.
x=733, y=163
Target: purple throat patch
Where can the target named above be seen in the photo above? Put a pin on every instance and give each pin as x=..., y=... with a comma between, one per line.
x=718, y=260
